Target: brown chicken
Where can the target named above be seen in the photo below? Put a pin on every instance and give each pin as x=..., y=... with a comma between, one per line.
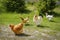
x=18, y=29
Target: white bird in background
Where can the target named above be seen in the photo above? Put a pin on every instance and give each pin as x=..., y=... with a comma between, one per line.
x=49, y=17
x=37, y=19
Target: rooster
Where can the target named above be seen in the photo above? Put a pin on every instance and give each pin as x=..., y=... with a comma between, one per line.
x=18, y=29
x=37, y=19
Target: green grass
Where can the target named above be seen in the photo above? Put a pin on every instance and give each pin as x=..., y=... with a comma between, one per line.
x=13, y=18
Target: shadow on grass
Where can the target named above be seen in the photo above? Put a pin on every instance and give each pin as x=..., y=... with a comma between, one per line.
x=28, y=25
x=23, y=34
x=42, y=26
x=51, y=21
x=54, y=21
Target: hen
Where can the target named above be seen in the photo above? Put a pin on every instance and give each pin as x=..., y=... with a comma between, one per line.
x=18, y=29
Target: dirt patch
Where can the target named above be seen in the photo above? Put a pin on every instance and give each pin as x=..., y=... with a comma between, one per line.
x=7, y=34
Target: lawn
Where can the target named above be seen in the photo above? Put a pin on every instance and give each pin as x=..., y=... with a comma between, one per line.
x=47, y=31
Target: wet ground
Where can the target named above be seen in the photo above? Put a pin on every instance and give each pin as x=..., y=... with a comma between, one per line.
x=7, y=34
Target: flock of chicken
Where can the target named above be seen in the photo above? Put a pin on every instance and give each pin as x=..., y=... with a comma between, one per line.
x=18, y=29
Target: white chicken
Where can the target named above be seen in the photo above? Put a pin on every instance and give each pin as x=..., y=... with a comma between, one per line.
x=37, y=19
x=49, y=17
